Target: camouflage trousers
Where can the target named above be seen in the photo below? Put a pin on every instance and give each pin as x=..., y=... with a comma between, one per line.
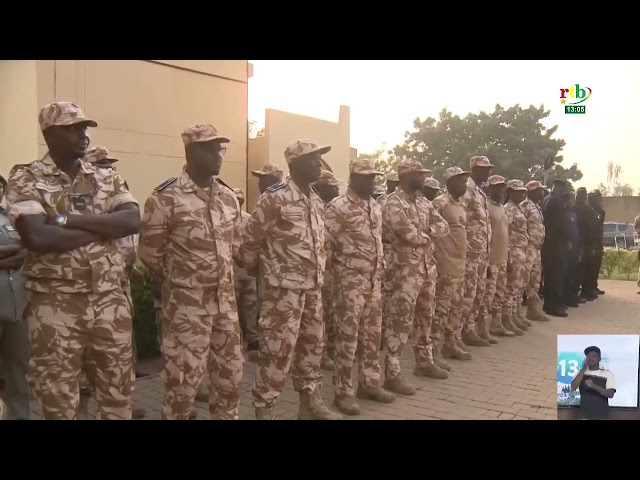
x=413, y=304
x=61, y=328
x=495, y=291
x=197, y=337
x=387, y=290
x=358, y=308
x=449, y=299
x=474, y=288
x=157, y=307
x=291, y=336
x=327, y=309
x=247, y=300
x=515, y=267
x=532, y=274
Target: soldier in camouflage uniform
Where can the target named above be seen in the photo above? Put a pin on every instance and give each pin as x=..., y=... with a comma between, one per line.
x=354, y=226
x=479, y=239
x=392, y=183
x=70, y=215
x=533, y=270
x=100, y=157
x=187, y=237
x=431, y=189
x=518, y=242
x=268, y=176
x=246, y=292
x=286, y=233
x=490, y=315
x=450, y=254
x=413, y=225
x=327, y=188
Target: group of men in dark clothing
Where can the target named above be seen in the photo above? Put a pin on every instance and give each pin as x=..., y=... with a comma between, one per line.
x=572, y=250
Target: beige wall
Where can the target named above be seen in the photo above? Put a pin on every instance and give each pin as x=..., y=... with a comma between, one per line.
x=142, y=107
x=282, y=128
x=621, y=209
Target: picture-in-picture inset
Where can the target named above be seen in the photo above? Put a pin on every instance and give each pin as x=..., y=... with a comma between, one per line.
x=597, y=375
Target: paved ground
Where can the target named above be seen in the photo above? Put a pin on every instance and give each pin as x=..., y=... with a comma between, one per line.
x=515, y=380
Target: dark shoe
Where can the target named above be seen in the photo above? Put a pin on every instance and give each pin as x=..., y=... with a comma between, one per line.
x=599, y=292
x=557, y=313
x=573, y=305
x=581, y=300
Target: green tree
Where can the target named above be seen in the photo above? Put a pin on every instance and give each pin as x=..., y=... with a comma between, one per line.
x=514, y=139
x=385, y=161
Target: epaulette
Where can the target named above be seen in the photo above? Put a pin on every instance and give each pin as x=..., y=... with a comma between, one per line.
x=223, y=184
x=276, y=187
x=165, y=184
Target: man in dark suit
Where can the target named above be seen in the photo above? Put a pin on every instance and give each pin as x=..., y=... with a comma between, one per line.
x=595, y=200
x=555, y=250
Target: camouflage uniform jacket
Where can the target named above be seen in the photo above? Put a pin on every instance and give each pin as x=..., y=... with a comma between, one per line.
x=518, y=236
x=535, y=223
x=478, y=223
x=187, y=236
x=413, y=224
x=240, y=273
x=451, y=250
x=354, y=226
x=41, y=188
x=286, y=230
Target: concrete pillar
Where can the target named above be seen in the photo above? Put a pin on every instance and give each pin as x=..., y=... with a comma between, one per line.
x=18, y=113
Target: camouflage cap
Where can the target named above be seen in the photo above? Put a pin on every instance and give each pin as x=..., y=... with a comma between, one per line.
x=97, y=154
x=392, y=177
x=496, y=180
x=517, y=185
x=432, y=183
x=408, y=166
x=364, y=166
x=268, y=169
x=303, y=147
x=327, y=178
x=239, y=193
x=480, y=161
x=62, y=114
x=535, y=185
x=202, y=133
x=454, y=172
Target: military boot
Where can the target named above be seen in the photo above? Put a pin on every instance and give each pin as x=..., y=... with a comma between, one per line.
x=399, y=385
x=470, y=337
x=509, y=325
x=497, y=328
x=451, y=349
x=522, y=316
x=266, y=413
x=519, y=324
x=377, y=394
x=483, y=330
x=438, y=359
x=430, y=370
x=313, y=408
x=534, y=311
x=347, y=405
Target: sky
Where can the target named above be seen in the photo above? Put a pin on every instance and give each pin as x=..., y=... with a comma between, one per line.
x=385, y=97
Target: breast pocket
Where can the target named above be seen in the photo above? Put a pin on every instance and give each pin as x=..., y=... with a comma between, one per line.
x=54, y=198
x=295, y=216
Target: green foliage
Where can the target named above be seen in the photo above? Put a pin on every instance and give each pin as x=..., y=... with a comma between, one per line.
x=515, y=140
x=144, y=321
x=625, y=261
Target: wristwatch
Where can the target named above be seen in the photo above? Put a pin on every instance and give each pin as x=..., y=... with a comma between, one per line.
x=60, y=220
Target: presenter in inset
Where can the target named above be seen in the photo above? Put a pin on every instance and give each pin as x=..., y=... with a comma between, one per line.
x=596, y=385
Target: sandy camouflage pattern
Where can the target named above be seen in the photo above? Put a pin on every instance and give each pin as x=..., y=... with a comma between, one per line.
x=327, y=178
x=447, y=319
x=364, y=166
x=62, y=114
x=286, y=230
x=202, y=133
x=499, y=233
x=41, y=188
x=478, y=224
x=239, y=193
x=246, y=289
x=413, y=224
x=454, y=172
x=269, y=169
x=303, y=147
x=98, y=154
x=480, y=161
x=291, y=331
x=518, y=242
x=187, y=238
x=432, y=183
x=535, y=230
x=61, y=327
x=354, y=226
x=495, y=291
x=409, y=166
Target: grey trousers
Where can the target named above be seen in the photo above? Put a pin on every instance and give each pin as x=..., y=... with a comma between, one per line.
x=14, y=351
